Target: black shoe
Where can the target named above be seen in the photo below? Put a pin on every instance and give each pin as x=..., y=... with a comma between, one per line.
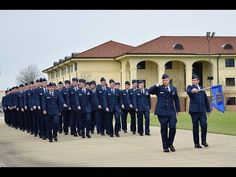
x=125, y=131
x=147, y=134
x=198, y=146
x=117, y=135
x=140, y=134
x=55, y=139
x=172, y=148
x=35, y=135
x=111, y=135
x=75, y=135
x=166, y=150
x=50, y=140
x=44, y=138
x=31, y=133
x=103, y=134
x=134, y=133
x=205, y=144
x=83, y=136
x=92, y=132
x=66, y=133
x=80, y=134
x=88, y=136
x=40, y=136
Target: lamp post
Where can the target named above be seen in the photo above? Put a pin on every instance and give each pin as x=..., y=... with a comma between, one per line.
x=209, y=36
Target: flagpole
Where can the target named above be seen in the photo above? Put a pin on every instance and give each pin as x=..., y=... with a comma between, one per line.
x=204, y=88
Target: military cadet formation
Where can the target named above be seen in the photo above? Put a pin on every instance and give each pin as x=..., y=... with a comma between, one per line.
x=43, y=109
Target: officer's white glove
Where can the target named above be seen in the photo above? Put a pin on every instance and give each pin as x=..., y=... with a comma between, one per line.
x=123, y=107
x=99, y=106
x=178, y=113
x=158, y=84
x=65, y=105
x=79, y=108
x=194, y=90
x=44, y=112
x=17, y=109
x=107, y=109
x=39, y=107
x=25, y=107
x=136, y=110
x=34, y=107
x=22, y=109
x=69, y=108
x=131, y=106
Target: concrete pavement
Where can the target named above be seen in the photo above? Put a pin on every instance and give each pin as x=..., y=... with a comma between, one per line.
x=20, y=149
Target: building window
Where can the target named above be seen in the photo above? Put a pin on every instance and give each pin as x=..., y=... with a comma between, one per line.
x=53, y=75
x=141, y=65
x=230, y=81
x=178, y=47
x=168, y=65
x=229, y=62
x=75, y=66
x=71, y=68
x=171, y=81
x=68, y=69
x=227, y=46
x=231, y=101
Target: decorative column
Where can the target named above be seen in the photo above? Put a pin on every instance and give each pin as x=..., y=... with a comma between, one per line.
x=161, y=71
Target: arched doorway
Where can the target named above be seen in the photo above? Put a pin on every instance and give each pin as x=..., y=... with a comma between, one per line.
x=147, y=71
x=202, y=68
x=176, y=71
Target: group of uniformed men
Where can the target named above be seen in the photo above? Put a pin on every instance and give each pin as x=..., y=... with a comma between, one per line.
x=42, y=109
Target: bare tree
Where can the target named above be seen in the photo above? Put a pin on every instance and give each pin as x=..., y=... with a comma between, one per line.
x=28, y=74
x=85, y=76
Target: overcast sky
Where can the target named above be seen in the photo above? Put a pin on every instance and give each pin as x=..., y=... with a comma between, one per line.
x=42, y=37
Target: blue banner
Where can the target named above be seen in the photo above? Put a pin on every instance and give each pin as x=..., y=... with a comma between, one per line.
x=218, y=98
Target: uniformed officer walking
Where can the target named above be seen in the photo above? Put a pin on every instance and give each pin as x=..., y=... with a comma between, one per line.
x=142, y=104
x=75, y=107
x=103, y=114
x=96, y=107
x=133, y=114
x=126, y=106
x=168, y=105
x=113, y=102
x=51, y=108
x=85, y=104
x=198, y=107
x=66, y=111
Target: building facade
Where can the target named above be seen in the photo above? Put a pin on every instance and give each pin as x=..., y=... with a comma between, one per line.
x=179, y=56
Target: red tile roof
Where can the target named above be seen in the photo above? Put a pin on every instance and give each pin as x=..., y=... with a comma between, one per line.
x=191, y=45
x=110, y=49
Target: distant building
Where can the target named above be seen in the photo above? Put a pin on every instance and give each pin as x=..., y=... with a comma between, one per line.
x=179, y=56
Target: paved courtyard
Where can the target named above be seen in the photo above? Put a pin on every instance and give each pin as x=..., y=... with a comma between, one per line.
x=23, y=150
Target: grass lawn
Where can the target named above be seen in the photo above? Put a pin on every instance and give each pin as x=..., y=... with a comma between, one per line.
x=221, y=123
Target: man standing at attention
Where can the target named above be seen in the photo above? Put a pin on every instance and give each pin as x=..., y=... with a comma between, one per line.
x=168, y=105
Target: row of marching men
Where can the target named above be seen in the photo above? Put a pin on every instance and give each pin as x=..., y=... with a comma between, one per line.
x=42, y=109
